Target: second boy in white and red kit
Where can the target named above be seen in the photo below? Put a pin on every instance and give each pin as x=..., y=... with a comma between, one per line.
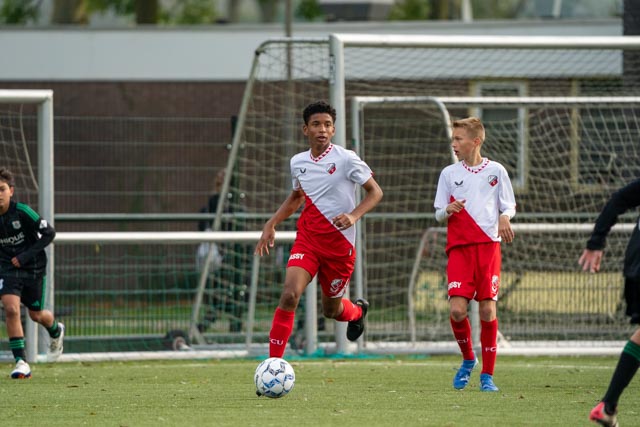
x=325, y=179
x=476, y=199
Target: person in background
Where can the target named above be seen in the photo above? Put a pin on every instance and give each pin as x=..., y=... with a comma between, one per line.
x=628, y=197
x=24, y=235
x=228, y=272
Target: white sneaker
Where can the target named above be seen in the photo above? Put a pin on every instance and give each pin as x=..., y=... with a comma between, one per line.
x=21, y=371
x=55, y=345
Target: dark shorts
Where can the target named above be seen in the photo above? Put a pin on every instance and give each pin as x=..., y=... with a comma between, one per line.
x=632, y=298
x=30, y=290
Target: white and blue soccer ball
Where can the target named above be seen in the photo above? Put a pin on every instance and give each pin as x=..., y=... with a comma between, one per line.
x=274, y=378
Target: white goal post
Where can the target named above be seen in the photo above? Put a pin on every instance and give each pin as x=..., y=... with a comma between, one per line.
x=43, y=100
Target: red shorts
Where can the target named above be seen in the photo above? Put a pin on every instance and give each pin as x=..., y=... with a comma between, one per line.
x=334, y=272
x=473, y=271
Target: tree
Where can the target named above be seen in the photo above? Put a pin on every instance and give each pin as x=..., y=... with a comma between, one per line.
x=182, y=12
x=440, y=9
x=146, y=11
x=19, y=11
x=409, y=10
x=190, y=12
x=495, y=9
x=67, y=12
x=309, y=10
x=418, y=10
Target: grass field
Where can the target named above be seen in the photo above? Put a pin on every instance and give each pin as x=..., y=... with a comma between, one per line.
x=536, y=391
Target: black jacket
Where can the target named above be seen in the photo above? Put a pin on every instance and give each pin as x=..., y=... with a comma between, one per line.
x=23, y=234
x=626, y=198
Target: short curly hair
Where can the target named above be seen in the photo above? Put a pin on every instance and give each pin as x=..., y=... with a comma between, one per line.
x=318, y=107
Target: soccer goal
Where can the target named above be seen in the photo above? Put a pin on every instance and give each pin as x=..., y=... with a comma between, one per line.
x=551, y=119
x=26, y=148
x=559, y=152
x=565, y=160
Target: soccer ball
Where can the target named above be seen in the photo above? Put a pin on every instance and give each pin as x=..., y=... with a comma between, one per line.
x=274, y=378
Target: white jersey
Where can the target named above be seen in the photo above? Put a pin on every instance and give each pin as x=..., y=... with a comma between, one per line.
x=488, y=194
x=329, y=183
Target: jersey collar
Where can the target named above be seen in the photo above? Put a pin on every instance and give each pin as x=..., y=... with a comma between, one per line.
x=321, y=156
x=476, y=169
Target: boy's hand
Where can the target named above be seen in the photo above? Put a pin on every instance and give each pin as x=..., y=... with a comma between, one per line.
x=343, y=221
x=456, y=206
x=267, y=240
x=504, y=229
x=590, y=260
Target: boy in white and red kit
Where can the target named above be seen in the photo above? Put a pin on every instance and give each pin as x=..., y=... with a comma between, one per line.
x=476, y=199
x=325, y=179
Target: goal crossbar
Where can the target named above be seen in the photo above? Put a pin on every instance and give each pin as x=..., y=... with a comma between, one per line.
x=529, y=42
x=502, y=101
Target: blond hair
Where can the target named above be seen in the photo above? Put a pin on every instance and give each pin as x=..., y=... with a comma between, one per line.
x=472, y=125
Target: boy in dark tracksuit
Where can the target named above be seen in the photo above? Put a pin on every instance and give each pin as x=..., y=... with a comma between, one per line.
x=23, y=262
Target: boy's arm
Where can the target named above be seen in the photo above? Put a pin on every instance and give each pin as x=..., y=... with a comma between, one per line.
x=626, y=198
x=286, y=209
x=47, y=234
x=507, y=205
x=441, y=202
x=622, y=200
x=507, y=199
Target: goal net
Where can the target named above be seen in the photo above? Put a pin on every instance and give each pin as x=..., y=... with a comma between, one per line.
x=26, y=149
x=554, y=123
x=562, y=154
x=17, y=137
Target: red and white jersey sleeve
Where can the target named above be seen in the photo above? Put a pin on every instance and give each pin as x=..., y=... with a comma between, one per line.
x=329, y=184
x=488, y=193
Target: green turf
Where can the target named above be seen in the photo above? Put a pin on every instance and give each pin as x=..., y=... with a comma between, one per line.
x=537, y=391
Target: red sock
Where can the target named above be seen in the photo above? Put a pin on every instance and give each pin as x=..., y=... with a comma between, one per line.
x=489, y=341
x=350, y=311
x=462, y=332
x=281, y=328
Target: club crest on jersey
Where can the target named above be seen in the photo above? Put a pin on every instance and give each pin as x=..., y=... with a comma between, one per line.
x=493, y=180
x=302, y=170
x=16, y=225
x=331, y=168
x=458, y=184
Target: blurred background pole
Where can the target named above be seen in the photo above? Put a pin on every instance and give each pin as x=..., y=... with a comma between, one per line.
x=288, y=18
x=290, y=102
